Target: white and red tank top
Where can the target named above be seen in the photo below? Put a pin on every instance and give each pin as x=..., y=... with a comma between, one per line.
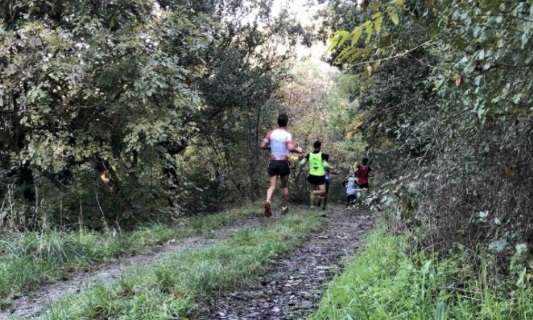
x=279, y=140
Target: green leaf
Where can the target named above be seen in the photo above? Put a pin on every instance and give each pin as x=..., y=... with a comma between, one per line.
x=399, y=3
x=524, y=40
x=521, y=249
x=517, y=98
x=334, y=41
x=345, y=54
x=393, y=15
x=440, y=313
x=498, y=246
x=521, y=282
x=368, y=30
x=481, y=54
x=343, y=37
x=356, y=34
x=378, y=21
x=426, y=268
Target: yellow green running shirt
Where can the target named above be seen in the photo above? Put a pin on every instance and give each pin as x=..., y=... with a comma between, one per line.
x=316, y=164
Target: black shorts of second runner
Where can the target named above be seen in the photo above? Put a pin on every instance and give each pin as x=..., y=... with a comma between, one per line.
x=364, y=186
x=316, y=180
x=279, y=168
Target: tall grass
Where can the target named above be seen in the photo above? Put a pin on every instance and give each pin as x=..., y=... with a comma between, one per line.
x=386, y=281
x=27, y=260
x=174, y=287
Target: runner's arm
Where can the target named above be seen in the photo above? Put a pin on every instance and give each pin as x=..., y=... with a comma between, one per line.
x=266, y=140
x=304, y=160
x=293, y=147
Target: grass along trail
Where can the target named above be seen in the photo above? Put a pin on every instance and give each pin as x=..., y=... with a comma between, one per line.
x=178, y=284
x=391, y=279
x=254, y=269
x=195, y=233
x=294, y=285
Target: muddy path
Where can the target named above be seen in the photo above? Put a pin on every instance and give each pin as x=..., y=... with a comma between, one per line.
x=30, y=305
x=293, y=287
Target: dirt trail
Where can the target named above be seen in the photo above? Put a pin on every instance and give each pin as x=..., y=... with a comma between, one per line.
x=294, y=287
x=32, y=304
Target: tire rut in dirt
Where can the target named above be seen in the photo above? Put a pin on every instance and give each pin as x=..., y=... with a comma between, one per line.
x=293, y=288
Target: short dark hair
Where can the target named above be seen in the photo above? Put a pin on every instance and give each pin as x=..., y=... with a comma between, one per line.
x=283, y=119
x=365, y=161
x=317, y=144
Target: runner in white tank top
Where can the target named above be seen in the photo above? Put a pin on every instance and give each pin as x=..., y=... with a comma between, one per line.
x=281, y=144
x=279, y=140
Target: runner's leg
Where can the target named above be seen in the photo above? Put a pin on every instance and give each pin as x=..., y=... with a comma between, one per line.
x=270, y=193
x=285, y=188
x=320, y=190
x=271, y=188
x=321, y=193
x=312, y=196
x=325, y=201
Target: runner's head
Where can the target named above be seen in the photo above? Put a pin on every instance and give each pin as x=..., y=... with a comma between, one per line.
x=317, y=145
x=365, y=161
x=283, y=119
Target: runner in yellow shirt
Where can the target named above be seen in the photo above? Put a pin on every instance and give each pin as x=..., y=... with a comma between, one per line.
x=317, y=172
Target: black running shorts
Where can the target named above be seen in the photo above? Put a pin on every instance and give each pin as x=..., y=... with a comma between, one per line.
x=279, y=168
x=316, y=180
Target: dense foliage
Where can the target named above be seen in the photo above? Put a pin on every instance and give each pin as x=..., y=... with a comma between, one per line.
x=118, y=111
x=442, y=96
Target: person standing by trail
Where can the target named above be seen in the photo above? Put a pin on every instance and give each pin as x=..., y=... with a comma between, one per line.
x=317, y=172
x=281, y=144
x=362, y=173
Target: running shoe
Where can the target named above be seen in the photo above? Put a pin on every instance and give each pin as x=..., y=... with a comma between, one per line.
x=268, y=209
